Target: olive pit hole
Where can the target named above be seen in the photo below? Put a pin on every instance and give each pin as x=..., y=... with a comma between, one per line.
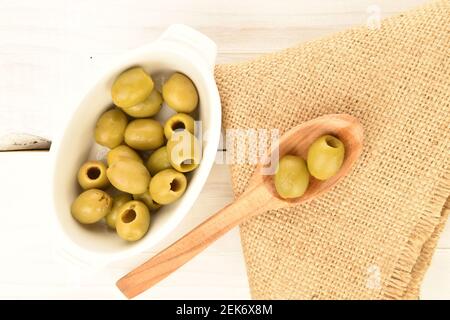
x=187, y=162
x=175, y=185
x=129, y=216
x=93, y=173
x=178, y=126
x=331, y=142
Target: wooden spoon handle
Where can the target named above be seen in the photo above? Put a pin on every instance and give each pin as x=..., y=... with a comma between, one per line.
x=254, y=201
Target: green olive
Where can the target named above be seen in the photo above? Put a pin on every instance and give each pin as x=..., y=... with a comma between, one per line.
x=184, y=151
x=110, y=128
x=147, y=108
x=180, y=94
x=120, y=152
x=118, y=201
x=147, y=199
x=291, y=177
x=178, y=122
x=129, y=176
x=325, y=157
x=167, y=186
x=131, y=87
x=91, y=206
x=158, y=161
x=144, y=134
x=92, y=175
x=133, y=221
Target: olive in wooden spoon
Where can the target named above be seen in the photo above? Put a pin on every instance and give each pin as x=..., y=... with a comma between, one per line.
x=259, y=197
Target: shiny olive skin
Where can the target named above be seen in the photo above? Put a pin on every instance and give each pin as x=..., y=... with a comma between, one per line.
x=91, y=206
x=121, y=152
x=292, y=177
x=158, y=161
x=147, y=199
x=92, y=175
x=184, y=151
x=180, y=94
x=118, y=201
x=110, y=128
x=133, y=220
x=129, y=176
x=131, y=87
x=147, y=108
x=325, y=157
x=179, y=121
x=144, y=134
x=167, y=186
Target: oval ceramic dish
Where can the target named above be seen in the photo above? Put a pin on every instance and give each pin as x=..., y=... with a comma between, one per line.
x=182, y=49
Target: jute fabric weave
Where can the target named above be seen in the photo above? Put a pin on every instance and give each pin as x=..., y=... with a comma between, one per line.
x=373, y=235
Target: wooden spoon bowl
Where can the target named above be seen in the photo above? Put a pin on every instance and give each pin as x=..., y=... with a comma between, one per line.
x=259, y=197
x=297, y=142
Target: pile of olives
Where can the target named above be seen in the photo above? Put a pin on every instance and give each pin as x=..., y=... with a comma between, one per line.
x=128, y=130
x=324, y=159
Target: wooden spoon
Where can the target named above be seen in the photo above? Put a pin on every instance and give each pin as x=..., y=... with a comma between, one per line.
x=259, y=197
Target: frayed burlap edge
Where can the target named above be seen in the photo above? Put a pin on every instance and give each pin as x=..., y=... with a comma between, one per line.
x=404, y=283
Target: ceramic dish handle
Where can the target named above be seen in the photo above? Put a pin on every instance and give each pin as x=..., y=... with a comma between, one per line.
x=194, y=40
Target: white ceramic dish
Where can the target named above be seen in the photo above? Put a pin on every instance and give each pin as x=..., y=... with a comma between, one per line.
x=179, y=48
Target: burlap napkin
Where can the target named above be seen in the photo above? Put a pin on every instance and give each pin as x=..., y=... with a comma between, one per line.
x=373, y=235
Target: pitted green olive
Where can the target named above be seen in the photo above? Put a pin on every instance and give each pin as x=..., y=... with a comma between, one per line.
x=180, y=94
x=92, y=175
x=147, y=108
x=133, y=221
x=110, y=128
x=134, y=94
x=178, y=122
x=131, y=87
x=121, y=152
x=292, y=177
x=184, y=151
x=325, y=157
x=118, y=201
x=158, y=161
x=91, y=206
x=167, y=186
x=129, y=176
x=144, y=134
x=147, y=199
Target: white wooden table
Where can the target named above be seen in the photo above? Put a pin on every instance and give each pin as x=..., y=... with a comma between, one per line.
x=49, y=49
